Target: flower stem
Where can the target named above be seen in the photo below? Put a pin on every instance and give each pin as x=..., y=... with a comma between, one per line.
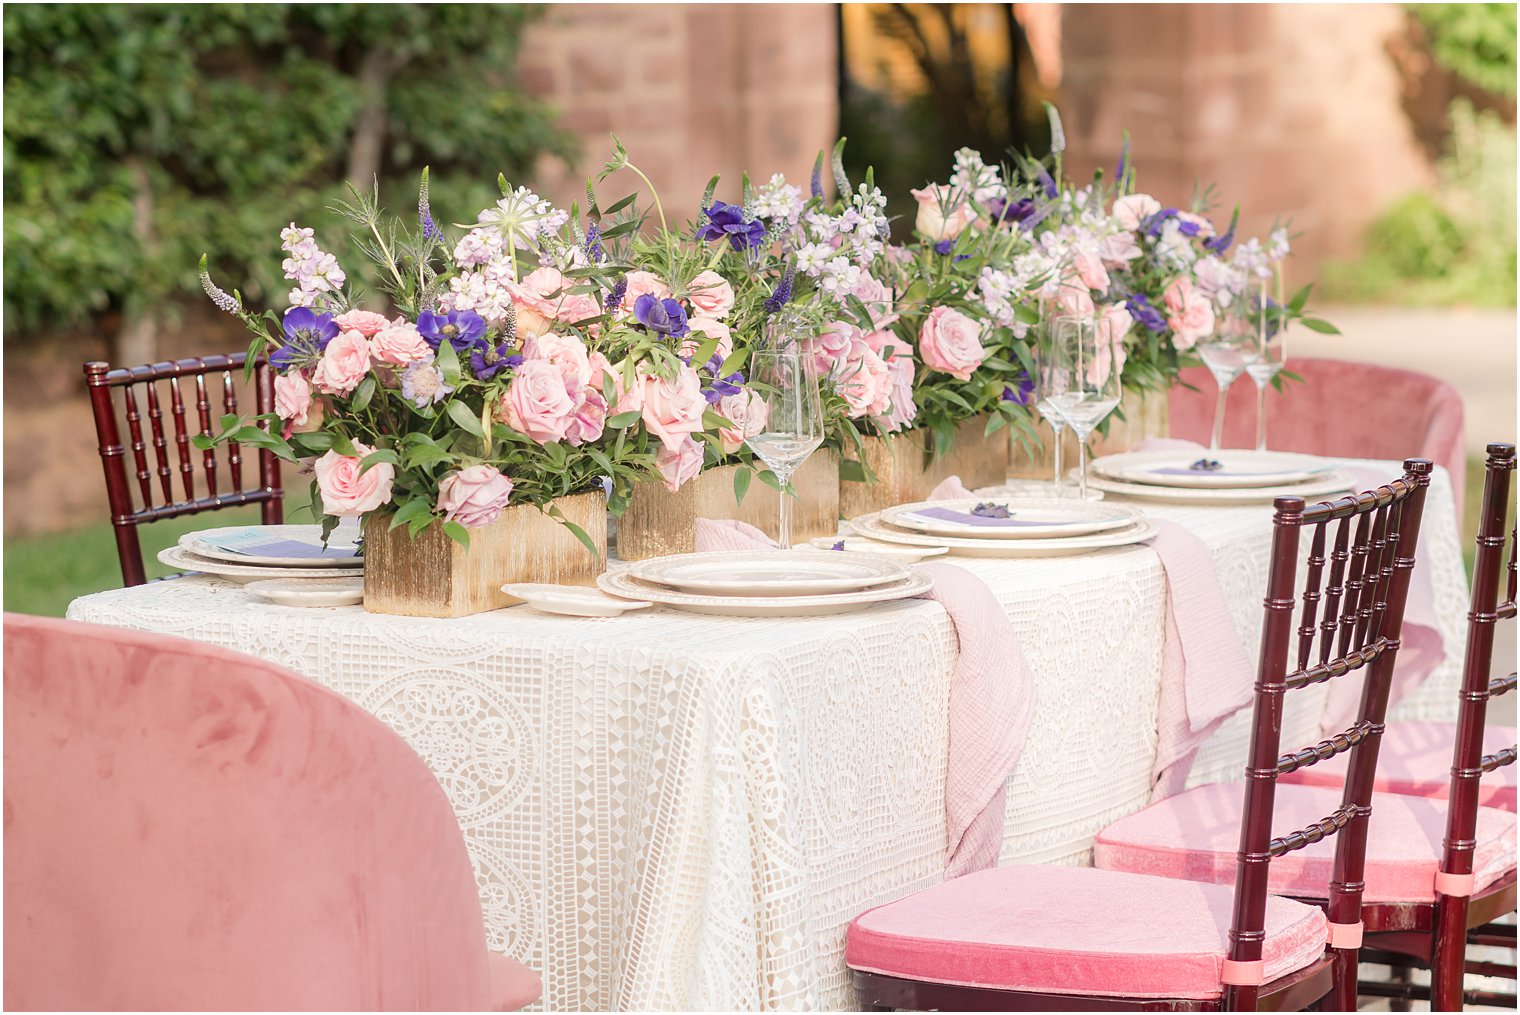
x=669, y=240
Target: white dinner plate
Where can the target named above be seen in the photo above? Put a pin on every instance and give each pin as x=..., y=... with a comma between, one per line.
x=625, y=585
x=276, y=546
x=1237, y=469
x=309, y=591
x=1027, y=517
x=767, y=573
x=896, y=551
x=872, y=527
x=182, y=559
x=1322, y=486
x=1036, y=488
x=572, y=600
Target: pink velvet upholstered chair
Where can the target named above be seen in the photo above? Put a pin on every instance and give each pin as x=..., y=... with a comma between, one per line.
x=1040, y=938
x=1396, y=411
x=189, y=828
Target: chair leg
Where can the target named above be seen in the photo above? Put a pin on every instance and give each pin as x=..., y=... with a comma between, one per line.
x=1448, y=957
x=1342, y=996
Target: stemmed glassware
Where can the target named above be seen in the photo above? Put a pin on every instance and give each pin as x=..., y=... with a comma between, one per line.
x=1081, y=372
x=787, y=380
x=1227, y=353
x=1272, y=351
x=1043, y=401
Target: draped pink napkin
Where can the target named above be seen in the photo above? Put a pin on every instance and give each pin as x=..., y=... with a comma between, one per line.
x=991, y=695
x=1206, y=675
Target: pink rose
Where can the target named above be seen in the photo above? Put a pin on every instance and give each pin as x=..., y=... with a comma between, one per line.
x=950, y=342
x=344, y=364
x=1135, y=209
x=363, y=321
x=1071, y=295
x=474, y=496
x=878, y=299
x=599, y=368
x=704, y=328
x=673, y=409
x=292, y=398
x=680, y=465
x=400, y=345
x=1118, y=249
x=1112, y=325
x=641, y=283
x=747, y=411
x=542, y=291
x=1090, y=270
x=1190, y=314
x=536, y=403
x=588, y=419
x=942, y=212
x=566, y=352
x=711, y=295
x=887, y=345
x=864, y=382
x=903, y=408
x=626, y=398
x=346, y=493
x=830, y=348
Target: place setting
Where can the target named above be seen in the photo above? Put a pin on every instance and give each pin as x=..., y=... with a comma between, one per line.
x=1193, y=475
x=288, y=565
x=1008, y=527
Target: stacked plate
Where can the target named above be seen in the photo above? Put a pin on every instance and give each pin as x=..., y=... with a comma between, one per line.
x=1216, y=477
x=251, y=554
x=765, y=583
x=1009, y=526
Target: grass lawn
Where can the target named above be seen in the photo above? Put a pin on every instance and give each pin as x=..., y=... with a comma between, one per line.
x=43, y=574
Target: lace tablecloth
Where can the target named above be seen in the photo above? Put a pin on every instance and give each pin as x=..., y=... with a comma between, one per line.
x=669, y=811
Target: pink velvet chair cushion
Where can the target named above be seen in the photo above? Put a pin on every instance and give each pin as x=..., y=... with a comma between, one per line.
x=1073, y=930
x=1195, y=835
x=188, y=828
x=1415, y=760
x=1399, y=413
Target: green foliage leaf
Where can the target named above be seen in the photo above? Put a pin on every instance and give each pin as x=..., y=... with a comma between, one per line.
x=1323, y=327
x=363, y=393
x=461, y=415
x=624, y=419
x=742, y=476
x=458, y=533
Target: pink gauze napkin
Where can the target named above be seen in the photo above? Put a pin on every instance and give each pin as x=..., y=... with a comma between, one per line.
x=991, y=696
x=1206, y=675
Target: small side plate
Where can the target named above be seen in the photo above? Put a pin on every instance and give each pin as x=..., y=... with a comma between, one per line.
x=572, y=600
x=856, y=544
x=309, y=591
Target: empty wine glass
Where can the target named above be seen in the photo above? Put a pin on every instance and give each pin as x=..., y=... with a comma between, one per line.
x=1272, y=347
x=1082, y=373
x=1047, y=407
x=1227, y=353
x=787, y=380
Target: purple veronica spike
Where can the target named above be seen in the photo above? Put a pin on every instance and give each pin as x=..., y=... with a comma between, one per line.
x=1047, y=183
x=225, y=302
x=430, y=230
x=783, y=294
x=593, y=244
x=1123, y=165
x=615, y=298
x=1221, y=243
x=817, y=181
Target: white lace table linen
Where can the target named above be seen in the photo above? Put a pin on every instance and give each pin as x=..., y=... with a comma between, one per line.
x=669, y=811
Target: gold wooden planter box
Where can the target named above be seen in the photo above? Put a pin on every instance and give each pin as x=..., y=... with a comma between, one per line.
x=1146, y=416
x=659, y=522
x=905, y=473
x=433, y=576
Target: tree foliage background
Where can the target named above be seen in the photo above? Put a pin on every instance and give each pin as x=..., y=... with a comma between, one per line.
x=138, y=136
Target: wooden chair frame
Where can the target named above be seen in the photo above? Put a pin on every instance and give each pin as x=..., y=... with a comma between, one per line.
x=1364, y=595
x=102, y=380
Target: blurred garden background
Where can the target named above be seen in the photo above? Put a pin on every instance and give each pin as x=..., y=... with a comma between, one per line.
x=138, y=137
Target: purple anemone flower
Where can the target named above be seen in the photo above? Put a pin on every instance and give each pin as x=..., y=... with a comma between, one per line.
x=1221, y=243
x=488, y=360
x=1146, y=315
x=721, y=386
x=306, y=336
x=1023, y=393
x=663, y=317
x=462, y=328
x=727, y=222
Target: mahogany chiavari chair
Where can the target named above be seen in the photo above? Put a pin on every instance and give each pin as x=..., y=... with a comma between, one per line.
x=154, y=476
x=1030, y=938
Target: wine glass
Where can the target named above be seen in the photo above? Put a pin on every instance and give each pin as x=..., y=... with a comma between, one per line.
x=1272, y=352
x=1043, y=400
x=787, y=379
x=1082, y=373
x=1227, y=353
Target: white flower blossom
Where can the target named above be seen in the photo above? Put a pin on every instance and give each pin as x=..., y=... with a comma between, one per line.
x=812, y=257
x=778, y=201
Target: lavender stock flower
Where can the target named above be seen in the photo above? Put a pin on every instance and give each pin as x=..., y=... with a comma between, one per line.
x=728, y=222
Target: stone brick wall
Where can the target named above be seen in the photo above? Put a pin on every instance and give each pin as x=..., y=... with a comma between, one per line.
x=691, y=90
x=1292, y=109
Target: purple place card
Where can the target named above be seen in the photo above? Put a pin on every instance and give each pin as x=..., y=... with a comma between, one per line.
x=1172, y=470
x=967, y=518
x=292, y=548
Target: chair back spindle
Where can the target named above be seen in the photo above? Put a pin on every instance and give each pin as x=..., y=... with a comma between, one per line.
x=138, y=387
x=1454, y=881
x=1355, y=610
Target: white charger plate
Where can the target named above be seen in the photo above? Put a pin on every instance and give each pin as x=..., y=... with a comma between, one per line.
x=872, y=527
x=342, y=545
x=1333, y=482
x=766, y=573
x=1029, y=518
x=180, y=558
x=896, y=551
x=572, y=600
x=625, y=585
x=309, y=591
x=1240, y=469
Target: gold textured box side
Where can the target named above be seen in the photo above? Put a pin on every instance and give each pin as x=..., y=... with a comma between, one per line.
x=904, y=475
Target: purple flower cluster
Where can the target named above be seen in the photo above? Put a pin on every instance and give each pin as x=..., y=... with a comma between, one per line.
x=1023, y=394
x=462, y=329
x=593, y=244
x=721, y=386
x=306, y=336
x=1146, y=315
x=727, y=222
x=615, y=298
x=663, y=317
